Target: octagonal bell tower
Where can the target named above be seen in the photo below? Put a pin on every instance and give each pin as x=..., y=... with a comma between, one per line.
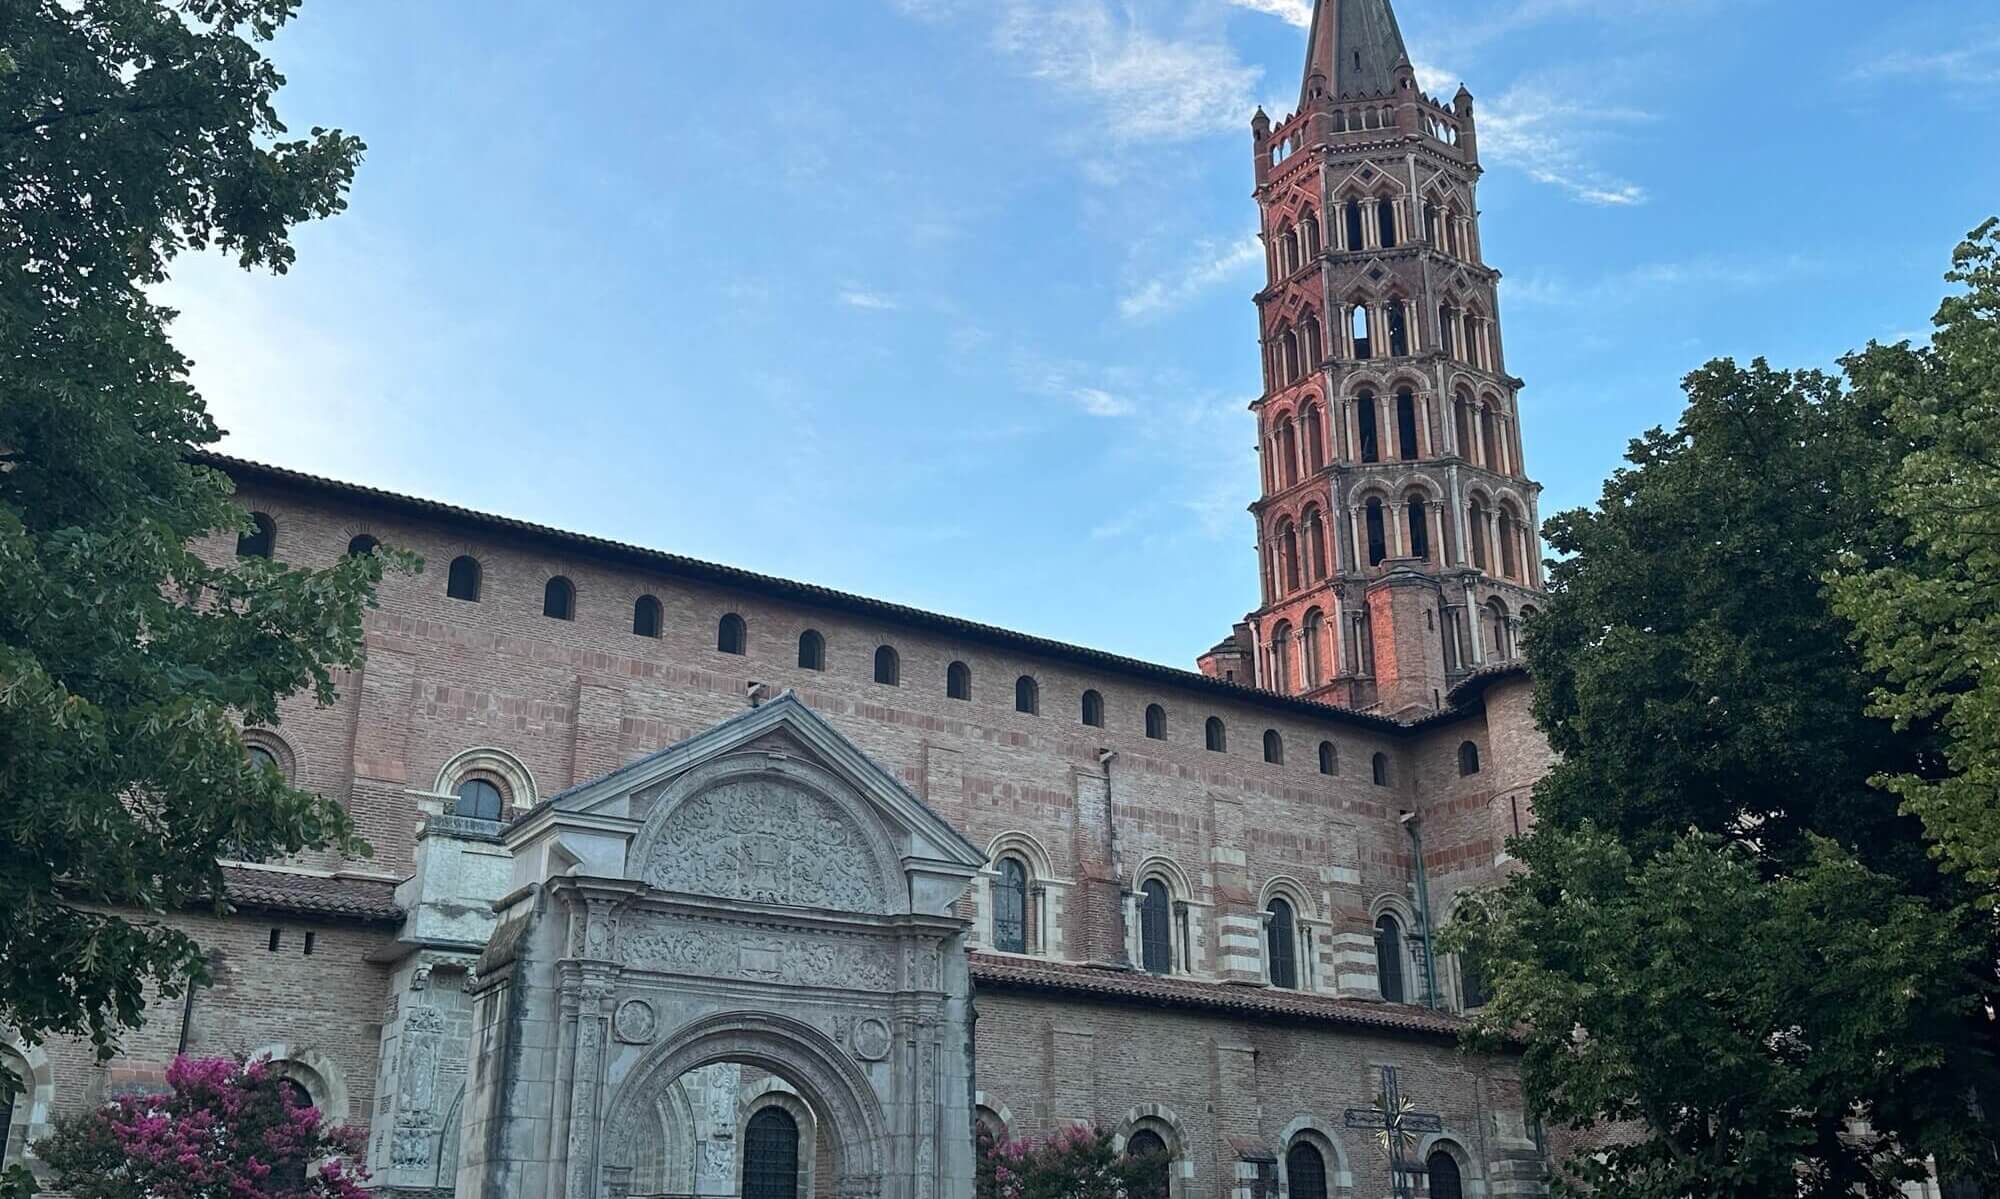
x=1395, y=529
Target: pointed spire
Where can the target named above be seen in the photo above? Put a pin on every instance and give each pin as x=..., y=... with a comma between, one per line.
x=1354, y=48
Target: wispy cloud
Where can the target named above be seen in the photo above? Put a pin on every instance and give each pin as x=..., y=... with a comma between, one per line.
x=1147, y=88
x=1707, y=273
x=1292, y=12
x=1974, y=64
x=1098, y=402
x=1540, y=131
x=872, y=301
x=1215, y=263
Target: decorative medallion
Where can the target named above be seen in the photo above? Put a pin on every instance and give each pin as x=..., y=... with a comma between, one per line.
x=871, y=1040
x=635, y=1023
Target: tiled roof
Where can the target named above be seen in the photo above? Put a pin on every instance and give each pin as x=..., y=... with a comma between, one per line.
x=1138, y=987
x=1472, y=688
x=280, y=891
x=803, y=593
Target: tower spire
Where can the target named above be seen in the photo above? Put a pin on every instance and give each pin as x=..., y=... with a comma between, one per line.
x=1354, y=49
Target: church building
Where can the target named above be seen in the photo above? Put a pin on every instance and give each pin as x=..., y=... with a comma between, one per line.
x=692, y=881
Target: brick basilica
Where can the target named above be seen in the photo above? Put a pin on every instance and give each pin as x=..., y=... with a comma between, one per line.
x=692, y=881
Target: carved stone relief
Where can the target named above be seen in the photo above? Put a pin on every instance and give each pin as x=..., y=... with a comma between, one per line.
x=871, y=1040
x=635, y=1022
x=766, y=841
x=416, y=1106
x=762, y=957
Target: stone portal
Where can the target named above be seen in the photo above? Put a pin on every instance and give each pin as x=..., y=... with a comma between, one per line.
x=750, y=932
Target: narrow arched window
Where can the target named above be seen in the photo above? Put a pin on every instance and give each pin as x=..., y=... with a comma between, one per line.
x=1329, y=758
x=1281, y=659
x=1360, y=333
x=1364, y=409
x=1475, y=515
x=1420, y=528
x=1305, y=1171
x=1027, y=696
x=462, y=580
x=646, y=618
x=1399, y=329
x=1510, y=554
x=1461, y=414
x=1281, y=944
x=1156, y=940
x=1315, y=434
x=479, y=799
x=1353, y=222
x=1468, y=758
x=730, y=634
x=1378, y=766
x=888, y=667
x=1274, y=747
x=1288, y=451
x=1445, y=327
x=1389, y=958
x=1378, y=533
x=1406, y=425
x=1445, y=1181
x=1149, y=1150
x=812, y=650
x=559, y=599
x=1310, y=636
x=1489, y=434
x=260, y=539
x=1215, y=736
x=771, y=1155
x=1288, y=551
x=1156, y=722
x=1315, y=549
x=1010, y=907
x=362, y=546
x=1093, y=709
x=958, y=681
x=1385, y=208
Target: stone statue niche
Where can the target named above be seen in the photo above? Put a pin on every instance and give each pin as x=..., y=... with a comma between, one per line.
x=761, y=902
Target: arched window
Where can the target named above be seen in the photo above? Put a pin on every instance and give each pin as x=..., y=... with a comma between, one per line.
x=262, y=758
x=1288, y=356
x=1313, y=634
x=462, y=580
x=1389, y=958
x=362, y=546
x=1385, y=208
x=260, y=540
x=1444, y=1177
x=1311, y=340
x=1214, y=736
x=1281, y=942
x=812, y=650
x=1156, y=722
x=1475, y=516
x=1499, y=644
x=1510, y=537
x=1378, y=766
x=1315, y=544
x=1288, y=451
x=1359, y=332
x=958, y=681
x=1281, y=659
x=888, y=667
x=646, y=618
x=1329, y=758
x=1445, y=327
x=1399, y=329
x=1472, y=346
x=1288, y=252
x=1364, y=411
x=1354, y=240
x=1406, y=425
x=1093, y=709
x=1490, y=435
x=1156, y=939
x=771, y=1155
x=1461, y=416
x=1378, y=533
x=1305, y=1171
x=1149, y=1149
x=1468, y=758
x=479, y=799
x=1309, y=232
x=1420, y=528
x=730, y=634
x=1314, y=432
x=1027, y=696
x=1010, y=907
x=1274, y=747
x=559, y=599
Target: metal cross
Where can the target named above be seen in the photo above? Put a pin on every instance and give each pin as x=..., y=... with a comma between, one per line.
x=1396, y=1123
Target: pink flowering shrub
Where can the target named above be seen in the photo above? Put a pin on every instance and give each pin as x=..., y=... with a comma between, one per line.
x=224, y=1130
x=1076, y=1162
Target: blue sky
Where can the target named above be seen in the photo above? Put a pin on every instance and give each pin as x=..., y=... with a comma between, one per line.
x=948, y=301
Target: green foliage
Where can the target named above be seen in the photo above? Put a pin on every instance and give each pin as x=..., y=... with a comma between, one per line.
x=1727, y=943
x=1929, y=620
x=1074, y=1163
x=129, y=131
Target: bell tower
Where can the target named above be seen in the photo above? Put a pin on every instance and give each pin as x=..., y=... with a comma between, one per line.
x=1396, y=526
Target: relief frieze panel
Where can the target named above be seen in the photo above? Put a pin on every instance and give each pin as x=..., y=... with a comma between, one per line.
x=792, y=959
x=765, y=840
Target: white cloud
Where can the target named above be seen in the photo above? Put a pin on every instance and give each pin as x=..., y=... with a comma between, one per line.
x=1975, y=64
x=1147, y=88
x=1216, y=263
x=1292, y=12
x=1706, y=273
x=1098, y=402
x=872, y=301
x=1534, y=129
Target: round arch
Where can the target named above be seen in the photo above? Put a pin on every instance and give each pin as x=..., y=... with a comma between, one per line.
x=985, y=1101
x=1025, y=846
x=1453, y=1142
x=518, y=782
x=1292, y=891
x=319, y=1074
x=1168, y=871
x=273, y=743
x=1317, y=1132
x=824, y=1077
x=776, y=1092
x=39, y=1082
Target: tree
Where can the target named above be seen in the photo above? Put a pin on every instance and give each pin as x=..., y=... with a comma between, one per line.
x=223, y=1130
x=1077, y=1162
x=131, y=130
x=1726, y=944
x=1929, y=619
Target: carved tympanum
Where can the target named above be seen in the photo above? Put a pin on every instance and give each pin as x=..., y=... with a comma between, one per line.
x=766, y=840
